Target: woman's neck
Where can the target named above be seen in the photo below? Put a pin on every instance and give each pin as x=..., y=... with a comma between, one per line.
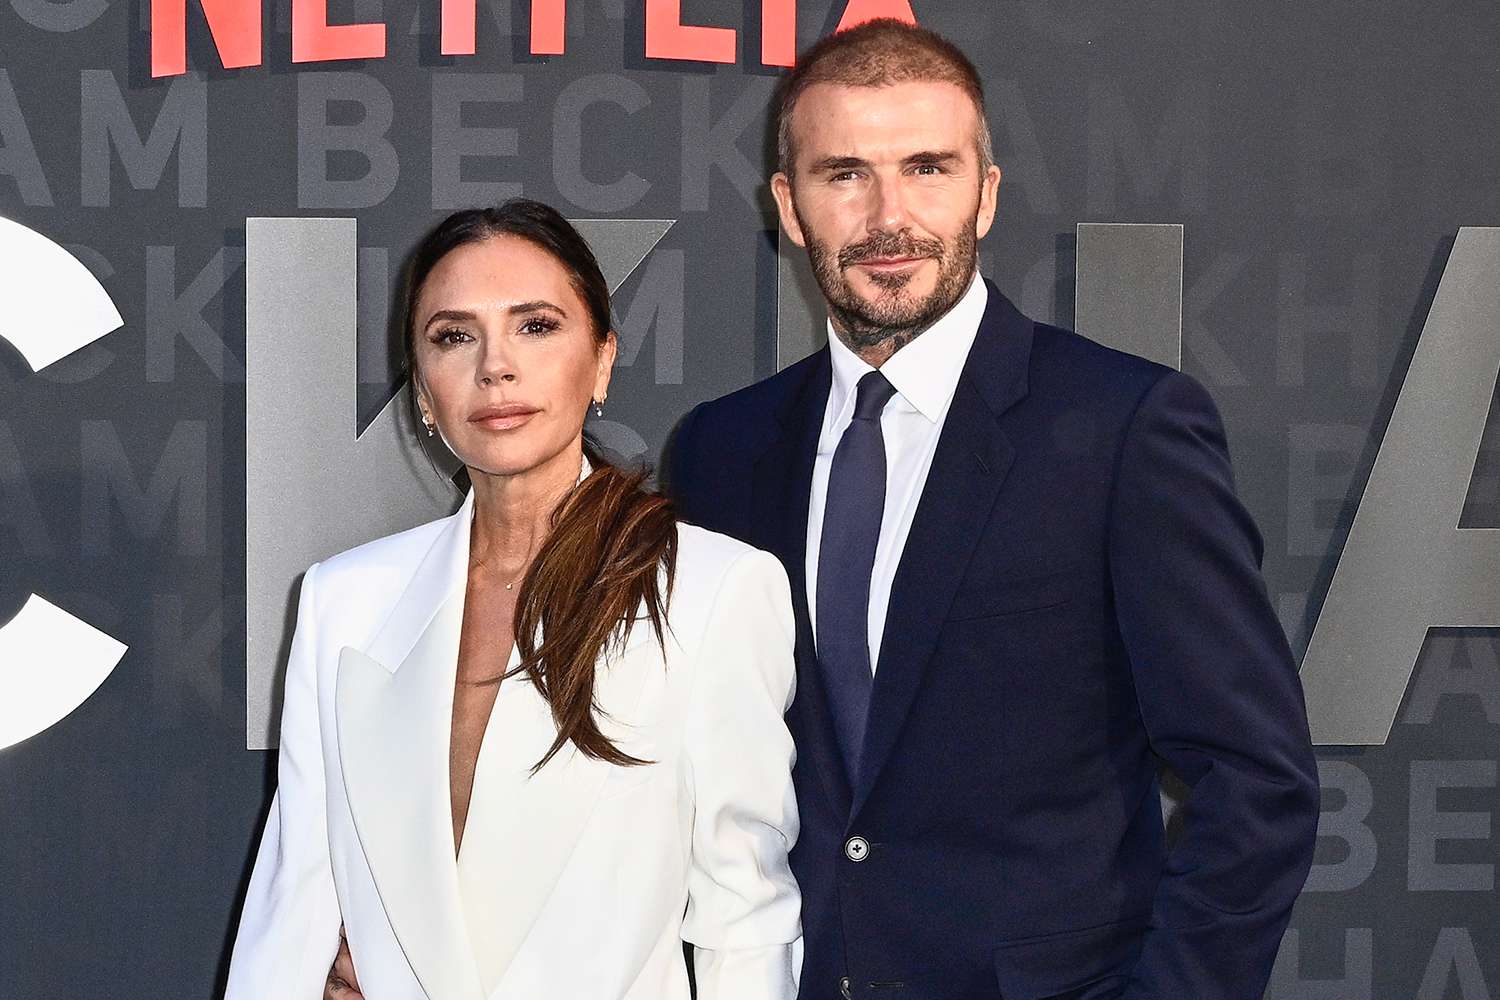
x=512, y=514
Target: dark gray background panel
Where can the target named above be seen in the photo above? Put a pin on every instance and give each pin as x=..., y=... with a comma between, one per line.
x=1321, y=159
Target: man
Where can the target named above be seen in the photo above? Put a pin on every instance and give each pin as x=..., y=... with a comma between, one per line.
x=1022, y=579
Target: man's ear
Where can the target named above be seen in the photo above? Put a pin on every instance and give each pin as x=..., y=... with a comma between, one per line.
x=989, y=200
x=781, y=190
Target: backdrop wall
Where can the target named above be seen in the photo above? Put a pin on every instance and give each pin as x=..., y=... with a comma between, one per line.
x=1321, y=160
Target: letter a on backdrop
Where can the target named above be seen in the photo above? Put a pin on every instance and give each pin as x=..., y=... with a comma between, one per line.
x=1407, y=565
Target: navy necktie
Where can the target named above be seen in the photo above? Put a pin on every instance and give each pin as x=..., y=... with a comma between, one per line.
x=846, y=557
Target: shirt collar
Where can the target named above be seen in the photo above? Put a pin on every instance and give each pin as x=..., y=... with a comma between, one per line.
x=925, y=372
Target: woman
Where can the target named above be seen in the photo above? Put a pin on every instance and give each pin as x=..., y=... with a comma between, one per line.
x=529, y=749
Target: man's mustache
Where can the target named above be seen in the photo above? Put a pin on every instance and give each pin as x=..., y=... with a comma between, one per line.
x=886, y=245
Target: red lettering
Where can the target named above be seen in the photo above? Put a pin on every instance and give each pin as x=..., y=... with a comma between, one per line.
x=315, y=40
x=548, y=21
x=668, y=38
x=457, y=34
x=234, y=24
x=236, y=29
x=860, y=11
x=778, y=32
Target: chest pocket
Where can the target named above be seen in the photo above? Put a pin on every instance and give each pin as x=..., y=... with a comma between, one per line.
x=989, y=595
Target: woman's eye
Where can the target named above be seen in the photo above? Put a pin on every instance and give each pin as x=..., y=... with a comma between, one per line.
x=537, y=326
x=451, y=335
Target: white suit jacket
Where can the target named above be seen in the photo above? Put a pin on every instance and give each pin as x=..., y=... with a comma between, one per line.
x=592, y=875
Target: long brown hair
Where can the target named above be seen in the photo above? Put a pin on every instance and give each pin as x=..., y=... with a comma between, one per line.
x=612, y=548
x=612, y=551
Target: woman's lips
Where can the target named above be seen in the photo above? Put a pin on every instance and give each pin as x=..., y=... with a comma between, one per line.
x=501, y=418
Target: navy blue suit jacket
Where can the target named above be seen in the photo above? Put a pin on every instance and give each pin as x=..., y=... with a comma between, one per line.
x=1079, y=598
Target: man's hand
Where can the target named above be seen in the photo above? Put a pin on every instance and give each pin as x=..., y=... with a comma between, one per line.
x=342, y=983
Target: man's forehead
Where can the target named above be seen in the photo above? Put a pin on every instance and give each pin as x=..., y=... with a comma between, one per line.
x=899, y=118
x=849, y=99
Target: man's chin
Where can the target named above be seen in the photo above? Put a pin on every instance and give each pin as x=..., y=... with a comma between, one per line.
x=889, y=320
x=895, y=308
x=903, y=291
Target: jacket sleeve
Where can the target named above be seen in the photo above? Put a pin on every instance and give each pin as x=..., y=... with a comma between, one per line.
x=289, y=928
x=744, y=910
x=1220, y=698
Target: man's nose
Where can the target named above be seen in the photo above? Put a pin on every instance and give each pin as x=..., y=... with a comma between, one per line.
x=888, y=206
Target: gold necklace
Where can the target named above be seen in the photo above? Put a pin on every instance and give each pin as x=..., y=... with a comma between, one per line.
x=480, y=564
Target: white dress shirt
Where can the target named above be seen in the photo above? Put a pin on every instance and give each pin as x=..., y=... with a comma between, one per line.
x=925, y=374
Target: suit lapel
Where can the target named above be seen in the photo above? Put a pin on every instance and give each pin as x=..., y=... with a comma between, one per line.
x=442, y=573
x=394, y=710
x=972, y=459
x=782, y=481
x=393, y=749
x=523, y=828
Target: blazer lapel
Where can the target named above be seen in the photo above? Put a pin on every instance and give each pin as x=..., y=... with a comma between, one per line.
x=782, y=487
x=972, y=459
x=394, y=708
x=523, y=828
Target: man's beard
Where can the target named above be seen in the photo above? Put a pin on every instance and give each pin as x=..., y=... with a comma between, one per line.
x=895, y=314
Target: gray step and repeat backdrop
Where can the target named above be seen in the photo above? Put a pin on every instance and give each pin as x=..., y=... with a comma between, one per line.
x=204, y=206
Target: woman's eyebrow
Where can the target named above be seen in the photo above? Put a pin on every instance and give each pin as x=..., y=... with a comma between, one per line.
x=535, y=305
x=455, y=315
x=519, y=308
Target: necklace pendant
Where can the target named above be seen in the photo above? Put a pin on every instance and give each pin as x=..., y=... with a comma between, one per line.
x=509, y=585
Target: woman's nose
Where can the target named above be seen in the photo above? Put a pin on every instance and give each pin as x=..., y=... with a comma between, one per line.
x=496, y=364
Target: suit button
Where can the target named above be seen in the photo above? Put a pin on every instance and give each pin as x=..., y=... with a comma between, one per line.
x=844, y=989
x=856, y=849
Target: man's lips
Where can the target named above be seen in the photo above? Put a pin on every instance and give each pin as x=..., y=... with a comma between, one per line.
x=889, y=263
x=502, y=417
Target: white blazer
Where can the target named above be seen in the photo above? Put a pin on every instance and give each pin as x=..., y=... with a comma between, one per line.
x=591, y=875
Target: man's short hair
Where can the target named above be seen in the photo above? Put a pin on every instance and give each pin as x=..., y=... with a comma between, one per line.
x=879, y=53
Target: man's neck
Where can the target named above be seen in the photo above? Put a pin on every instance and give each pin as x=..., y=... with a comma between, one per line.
x=877, y=352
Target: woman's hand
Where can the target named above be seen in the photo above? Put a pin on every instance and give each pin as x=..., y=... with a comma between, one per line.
x=342, y=984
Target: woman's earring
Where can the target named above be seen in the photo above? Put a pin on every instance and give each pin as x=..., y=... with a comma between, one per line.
x=598, y=407
x=431, y=427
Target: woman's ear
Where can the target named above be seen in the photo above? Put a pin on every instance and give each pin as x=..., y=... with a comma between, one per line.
x=606, y=365
x=424, y=402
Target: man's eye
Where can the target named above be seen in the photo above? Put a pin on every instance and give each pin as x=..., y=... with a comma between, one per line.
x=846, y=175
x=929, y=169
